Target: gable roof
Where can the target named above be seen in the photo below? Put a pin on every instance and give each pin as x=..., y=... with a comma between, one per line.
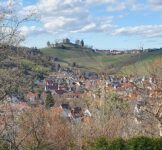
x=32, y=94
x=127, y=85
x=65, y=106
x=60, y=92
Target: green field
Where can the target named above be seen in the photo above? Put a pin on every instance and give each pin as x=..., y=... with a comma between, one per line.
x=122, y=64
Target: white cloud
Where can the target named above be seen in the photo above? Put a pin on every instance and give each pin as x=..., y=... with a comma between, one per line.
x=129, y=5
x=101, y=1
x=143, y=30
x=86, y=28
x=57, y=23
x=73, y=16
x=155, y=4
x=69, y=16
x=26, y=30
x=116, y=7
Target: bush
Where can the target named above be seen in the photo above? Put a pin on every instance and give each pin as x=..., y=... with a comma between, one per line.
x=49, y=102
x=100, y=144
x=117, y=144
x=158, y=144
x=4, y=146
x=140, y=143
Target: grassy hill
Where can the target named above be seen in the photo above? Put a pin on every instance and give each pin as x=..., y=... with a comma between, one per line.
x=122, y=64
x=87, y=59
x=144, y=64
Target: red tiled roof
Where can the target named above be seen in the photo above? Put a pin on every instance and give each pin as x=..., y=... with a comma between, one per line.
x=49, y=82
x=60, y=92
x=127, y=85
x=56, y=109
x=31, y=94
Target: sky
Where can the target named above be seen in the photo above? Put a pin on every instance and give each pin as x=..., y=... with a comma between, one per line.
x=103, y=24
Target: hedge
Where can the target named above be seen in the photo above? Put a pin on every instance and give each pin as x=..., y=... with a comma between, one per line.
x=137, y=143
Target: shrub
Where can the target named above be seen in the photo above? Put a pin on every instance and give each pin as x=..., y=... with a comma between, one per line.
x=158, y=144
x=49, y=100
x=4, y=146
x=100, y=144
x=117, y=144
x=140, y=143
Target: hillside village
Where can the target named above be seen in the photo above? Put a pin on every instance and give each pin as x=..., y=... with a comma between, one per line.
x=60, y=93
x=80, y=99
x=79, y=96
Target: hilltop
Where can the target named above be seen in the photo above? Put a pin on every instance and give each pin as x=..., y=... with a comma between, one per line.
x=88, y=59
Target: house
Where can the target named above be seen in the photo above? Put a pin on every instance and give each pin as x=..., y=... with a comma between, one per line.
x=102, y=51
x=13, y=99
x=116, y=52
x=77, y=112
x=60, y=92
x=136, y=51
x=127, y=85
x=65, y=106
x=74, y=95
x=87, y=113
x=90, y=75
x=63, y=110
x=66, y=111
x=32, y=97
x=50, y=85
x=87, y=116
x=66, y=41
x=116, y=84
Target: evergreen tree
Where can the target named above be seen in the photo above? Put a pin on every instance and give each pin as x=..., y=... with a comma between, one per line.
x=48, y=44
x=49, y=102
x=82, y=43
x=74, y=64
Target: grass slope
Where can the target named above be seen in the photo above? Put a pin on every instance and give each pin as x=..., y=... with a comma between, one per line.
x=87, y=59
x=145, y=63
x=123, y=64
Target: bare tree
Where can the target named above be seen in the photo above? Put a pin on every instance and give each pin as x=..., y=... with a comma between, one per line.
x=10, y=23
x=10, y=80
x=10, y=36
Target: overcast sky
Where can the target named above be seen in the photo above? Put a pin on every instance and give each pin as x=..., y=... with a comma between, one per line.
x=105, y=24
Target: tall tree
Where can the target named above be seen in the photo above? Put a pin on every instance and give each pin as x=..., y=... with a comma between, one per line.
x=48, y=44
x=74, y=64
x=49, y=102
x=82, y=43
